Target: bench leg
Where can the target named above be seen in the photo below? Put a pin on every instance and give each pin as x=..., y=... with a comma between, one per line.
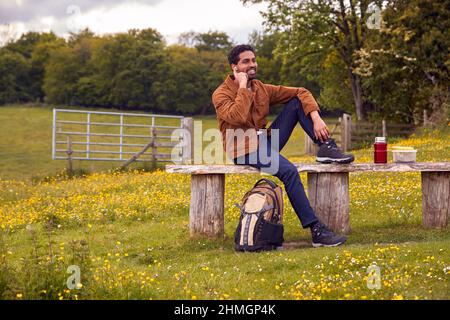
x=206, y=212
x=329, y=197
x=435, y=199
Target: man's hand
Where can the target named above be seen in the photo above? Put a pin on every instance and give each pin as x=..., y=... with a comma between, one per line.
x=241, y=77
x=321, y=131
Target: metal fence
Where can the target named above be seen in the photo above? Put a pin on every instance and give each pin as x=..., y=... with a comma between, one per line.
x=116, y=136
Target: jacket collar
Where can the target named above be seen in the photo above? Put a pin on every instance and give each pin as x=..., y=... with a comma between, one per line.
x=229, y=81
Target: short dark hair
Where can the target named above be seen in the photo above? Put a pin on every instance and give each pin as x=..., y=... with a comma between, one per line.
x=233, y=56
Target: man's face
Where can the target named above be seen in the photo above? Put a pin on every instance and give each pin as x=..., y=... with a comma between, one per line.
x=247, y=63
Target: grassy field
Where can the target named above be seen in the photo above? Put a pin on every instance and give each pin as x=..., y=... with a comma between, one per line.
x=128, y=231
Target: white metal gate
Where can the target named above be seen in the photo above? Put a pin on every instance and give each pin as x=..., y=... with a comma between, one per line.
x=116, y=136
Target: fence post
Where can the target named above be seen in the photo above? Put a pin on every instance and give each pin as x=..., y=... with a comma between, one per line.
x=69, y=156
x=154, y=149
x=310, y=147
x=188, y=149
x=346, y=132
x=425, y=118
x=383, y=125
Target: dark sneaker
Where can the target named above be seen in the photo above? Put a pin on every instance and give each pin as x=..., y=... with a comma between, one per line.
x=329, y=153
x=324, y=237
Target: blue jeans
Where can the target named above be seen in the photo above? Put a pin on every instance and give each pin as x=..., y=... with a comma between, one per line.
x=285, y=122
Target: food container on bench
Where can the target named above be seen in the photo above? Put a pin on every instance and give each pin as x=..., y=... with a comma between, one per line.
x=403, y=154
x=380, y=150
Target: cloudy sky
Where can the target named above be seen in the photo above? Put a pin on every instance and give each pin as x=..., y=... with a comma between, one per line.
x=169, y=17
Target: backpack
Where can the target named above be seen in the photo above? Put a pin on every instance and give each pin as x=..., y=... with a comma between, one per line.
x=260, y=225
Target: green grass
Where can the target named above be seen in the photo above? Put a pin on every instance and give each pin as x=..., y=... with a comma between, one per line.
x=129, y=232
x=210, y=269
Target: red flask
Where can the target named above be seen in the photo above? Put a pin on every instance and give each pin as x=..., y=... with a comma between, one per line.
x=380, y=150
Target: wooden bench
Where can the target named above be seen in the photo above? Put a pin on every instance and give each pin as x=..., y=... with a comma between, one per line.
x=328, y=192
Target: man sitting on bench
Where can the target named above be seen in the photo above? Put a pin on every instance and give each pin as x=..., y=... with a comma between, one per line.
x=242, y=104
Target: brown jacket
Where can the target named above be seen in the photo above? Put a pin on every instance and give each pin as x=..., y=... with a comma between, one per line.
x=240, y=108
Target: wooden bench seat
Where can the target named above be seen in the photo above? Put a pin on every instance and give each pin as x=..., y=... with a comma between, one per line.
x=328, y=192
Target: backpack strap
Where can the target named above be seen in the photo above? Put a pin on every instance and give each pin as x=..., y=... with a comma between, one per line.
x=266, y=208
x=274, y=186
x=263, y=209
x=269, y=182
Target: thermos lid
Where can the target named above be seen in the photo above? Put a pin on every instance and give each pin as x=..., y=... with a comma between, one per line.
x=380, y=139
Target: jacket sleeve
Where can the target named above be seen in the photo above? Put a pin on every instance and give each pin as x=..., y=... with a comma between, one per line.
x=234, y=111
x=281, y=94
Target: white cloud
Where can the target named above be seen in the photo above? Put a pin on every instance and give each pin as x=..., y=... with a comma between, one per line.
x=169, y=17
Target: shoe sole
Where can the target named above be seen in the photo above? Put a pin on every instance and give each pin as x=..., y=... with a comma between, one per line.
x=332, y=160
x=317, y=245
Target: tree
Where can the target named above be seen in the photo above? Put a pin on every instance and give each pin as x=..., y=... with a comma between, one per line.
x=207, y=41
x=127, y=66
x=65, y=66
x=130, y=70
x=62, y=73
x=14, y=80
x=405, y=66
x=269, y=64
x=315, y=29
x=191, y=78
x=8, y=33
x=34, y=48
x=217, y=67
x=40, y=55
x=187, y=39
x=118, y=70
